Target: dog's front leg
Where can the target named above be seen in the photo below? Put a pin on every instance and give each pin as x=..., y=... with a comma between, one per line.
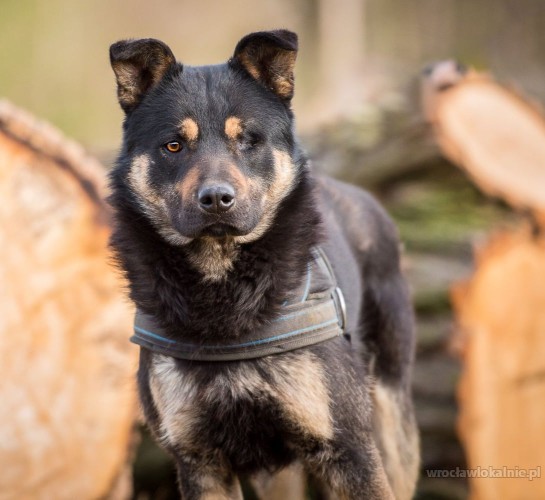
x=347, y=473
x=287, y=484
x=199, y=478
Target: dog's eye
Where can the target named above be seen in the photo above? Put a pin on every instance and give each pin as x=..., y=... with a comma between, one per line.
x=251, y=141
x=173, y=146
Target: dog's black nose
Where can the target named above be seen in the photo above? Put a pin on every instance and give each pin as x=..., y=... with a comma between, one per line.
x=217, y=198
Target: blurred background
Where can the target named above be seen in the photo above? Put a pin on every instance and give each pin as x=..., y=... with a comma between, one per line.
x=55, y=53
x=360, y=117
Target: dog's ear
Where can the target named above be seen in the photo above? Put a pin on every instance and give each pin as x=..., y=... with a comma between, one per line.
x=269, y=57
x=139, y=65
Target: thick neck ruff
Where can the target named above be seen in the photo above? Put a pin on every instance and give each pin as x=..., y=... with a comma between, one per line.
x=316, y=313
x=165, y=286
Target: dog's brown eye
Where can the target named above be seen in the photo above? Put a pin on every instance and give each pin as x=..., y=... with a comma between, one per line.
x=173, y=146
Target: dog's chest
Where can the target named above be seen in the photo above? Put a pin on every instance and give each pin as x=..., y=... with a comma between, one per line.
x=252, y=407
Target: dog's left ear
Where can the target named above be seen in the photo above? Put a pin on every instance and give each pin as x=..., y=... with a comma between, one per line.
x=269, y=57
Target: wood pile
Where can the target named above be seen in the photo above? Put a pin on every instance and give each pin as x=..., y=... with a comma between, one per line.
x=68, y=401
x=498, y=138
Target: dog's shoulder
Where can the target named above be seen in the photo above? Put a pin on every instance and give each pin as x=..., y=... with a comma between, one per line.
x=361, y=219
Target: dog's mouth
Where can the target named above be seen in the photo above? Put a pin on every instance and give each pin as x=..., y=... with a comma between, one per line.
x=220, y=230
x=194, y=225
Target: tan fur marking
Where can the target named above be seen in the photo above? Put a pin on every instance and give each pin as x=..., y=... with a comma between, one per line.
x=213, y=258
x=282, y=80
x=284, y=87
x=287, y=484
x=298, y=385
x=188, y=186
x=139, y=179
x=284, y=170
x=247, y=62
x=278, y=75
x=239, y=181
x=284, y=177
x=151, y=202
x=126, y=79
x=214, y=490
x=189, y=130
x=398, y=441
x=223, y=495
x=174, y=395
x=241, y=382
x=129, y=82
x=300, y=388
x=233, y=128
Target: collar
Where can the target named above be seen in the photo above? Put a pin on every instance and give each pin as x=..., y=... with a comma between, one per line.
x=316, y=312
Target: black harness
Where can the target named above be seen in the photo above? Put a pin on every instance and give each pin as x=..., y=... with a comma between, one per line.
x=315, y=313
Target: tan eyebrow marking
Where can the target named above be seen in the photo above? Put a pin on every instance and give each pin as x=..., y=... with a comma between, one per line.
x=189, y=129
x=233, y=127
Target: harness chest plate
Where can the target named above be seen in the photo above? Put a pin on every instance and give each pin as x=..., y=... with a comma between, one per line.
x=316, y=313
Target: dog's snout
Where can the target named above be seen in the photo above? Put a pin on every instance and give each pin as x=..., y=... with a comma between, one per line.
x=217, y=198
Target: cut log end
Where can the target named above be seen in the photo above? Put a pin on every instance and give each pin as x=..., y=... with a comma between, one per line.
x=68, y=398
x=496, y=136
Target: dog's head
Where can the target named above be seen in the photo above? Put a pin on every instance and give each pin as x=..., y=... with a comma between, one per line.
x=208, y=151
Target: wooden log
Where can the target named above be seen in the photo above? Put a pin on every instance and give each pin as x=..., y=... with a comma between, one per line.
x=379, y=145
x=501, y=316
x=68, y=401
x=495, y=135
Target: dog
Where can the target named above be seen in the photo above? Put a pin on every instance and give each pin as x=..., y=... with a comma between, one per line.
x=275, y=326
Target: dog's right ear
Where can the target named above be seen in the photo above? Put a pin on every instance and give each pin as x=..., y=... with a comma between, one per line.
x=139, y=65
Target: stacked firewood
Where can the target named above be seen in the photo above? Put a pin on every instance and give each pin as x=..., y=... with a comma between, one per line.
x=498, y=138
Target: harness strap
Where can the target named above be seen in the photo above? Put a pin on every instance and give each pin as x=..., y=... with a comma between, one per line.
x=313, y=316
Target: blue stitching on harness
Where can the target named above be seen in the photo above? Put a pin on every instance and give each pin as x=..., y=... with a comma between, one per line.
x=283, y=335
x=287, y=316
x=154, y=335
x=246, y=344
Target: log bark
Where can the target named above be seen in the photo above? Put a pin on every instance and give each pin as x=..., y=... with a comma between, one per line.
x=501, y=316
x=68, y=401
x=495, y=135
